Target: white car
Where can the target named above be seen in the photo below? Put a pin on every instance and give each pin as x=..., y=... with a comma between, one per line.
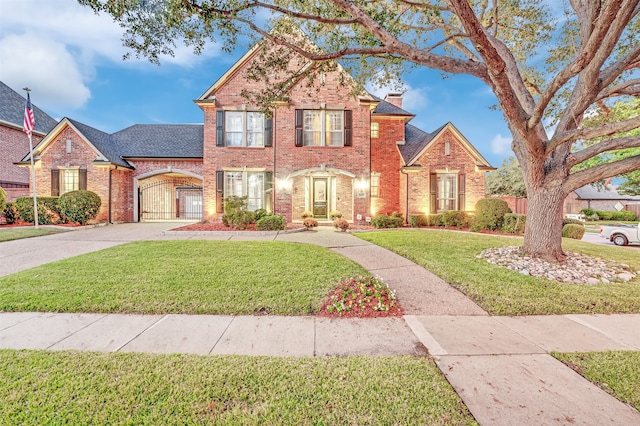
x=620, y=234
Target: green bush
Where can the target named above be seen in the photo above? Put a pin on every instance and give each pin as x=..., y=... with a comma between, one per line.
x=455, y=218
x=566, y=221
x=384, y=221
x=260, y=213
x=80, y=206
x=3, y=199
x=615, y=215
x=490, y=214
x=239, y=219
x=571, y=230
x=588, y=211
x=10, y=213
x=271, y=222
x=416, y=220
x=24, y=207
x=435, y=220
x=514, y=223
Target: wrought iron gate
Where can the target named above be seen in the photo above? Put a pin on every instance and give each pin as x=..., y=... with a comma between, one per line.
x=170, y=199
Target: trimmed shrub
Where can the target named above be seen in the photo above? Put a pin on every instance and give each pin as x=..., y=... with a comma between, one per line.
x=514, y=223
x=416, y=220
x=571, y=230
x=3, y=199
x=24, y=207
x=341, y=224
x=271, y=222
x=239, y=219
x=10, y=213
x=384, y=221
x=588, y=211
x=490, y=214
x=435, y=220
x=309, y=223
x=566, y=221
x=80, y=206
x=615, y=215
x=335, y=214
x=455, y=218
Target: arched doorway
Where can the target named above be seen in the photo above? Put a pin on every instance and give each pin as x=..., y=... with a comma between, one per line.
x=170, y=197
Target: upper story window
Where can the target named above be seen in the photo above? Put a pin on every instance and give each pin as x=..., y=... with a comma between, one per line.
x=375, y=129
x=323, y=127
x=242, y=129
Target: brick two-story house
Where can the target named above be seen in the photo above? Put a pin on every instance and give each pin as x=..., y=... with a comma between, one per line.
x=320, y=149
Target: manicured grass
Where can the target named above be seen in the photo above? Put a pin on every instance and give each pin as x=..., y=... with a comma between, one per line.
x=38, y=387
x=8, y=234
x=205, y=277
x=452, y=256
x=616, y=372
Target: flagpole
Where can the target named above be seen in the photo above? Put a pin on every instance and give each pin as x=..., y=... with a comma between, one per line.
x=33, y=174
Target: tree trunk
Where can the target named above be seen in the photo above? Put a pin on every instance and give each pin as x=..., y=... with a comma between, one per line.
x=543, y=232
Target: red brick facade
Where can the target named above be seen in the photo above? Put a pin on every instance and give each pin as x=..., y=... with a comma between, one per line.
x=14, y=145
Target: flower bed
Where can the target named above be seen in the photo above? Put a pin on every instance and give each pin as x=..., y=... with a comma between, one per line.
x=361, y=297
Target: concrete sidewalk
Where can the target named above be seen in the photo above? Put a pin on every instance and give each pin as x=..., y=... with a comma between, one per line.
x=500, y=366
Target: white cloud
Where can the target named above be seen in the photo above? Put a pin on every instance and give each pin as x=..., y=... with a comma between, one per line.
x=48, y=68
x=501, y=144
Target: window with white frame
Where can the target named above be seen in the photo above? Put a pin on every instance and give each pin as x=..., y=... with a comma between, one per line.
x=375, y=129
x=244, y=128
x=323, y=128
x=375, y=184
x=69, y=180
x=247, y=184
x=447, y=191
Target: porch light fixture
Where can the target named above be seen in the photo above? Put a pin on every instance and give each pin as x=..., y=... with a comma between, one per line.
x=284, y=184
x=362, y=184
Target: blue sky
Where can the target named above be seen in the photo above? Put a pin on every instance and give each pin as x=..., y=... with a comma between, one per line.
x=71, y=59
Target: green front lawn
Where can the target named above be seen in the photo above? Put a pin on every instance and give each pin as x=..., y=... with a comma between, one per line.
x=193, y=277
x=39, y=387
x=8, y=234
x=616, y=372
x=452, y=256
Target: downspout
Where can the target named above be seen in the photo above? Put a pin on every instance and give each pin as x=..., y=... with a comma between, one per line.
x=110, y=200
x=406, y=190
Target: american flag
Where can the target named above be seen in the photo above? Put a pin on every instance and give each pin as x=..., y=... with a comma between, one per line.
x=29, y=119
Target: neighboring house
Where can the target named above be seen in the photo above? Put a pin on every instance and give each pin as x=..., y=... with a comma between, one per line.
x=605, y=198
x=320, y=149
x=14, y=142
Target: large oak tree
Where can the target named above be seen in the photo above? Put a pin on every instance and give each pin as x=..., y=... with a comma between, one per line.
x=547, y=62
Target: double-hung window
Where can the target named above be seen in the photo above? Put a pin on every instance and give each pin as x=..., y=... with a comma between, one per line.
x=323, y=127
x=242, y=129
x=447, y=192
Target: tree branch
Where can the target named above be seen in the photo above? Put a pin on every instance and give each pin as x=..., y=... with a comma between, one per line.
x=602, y=171
x=625, y=88
x=589, y=133
x=602, y=147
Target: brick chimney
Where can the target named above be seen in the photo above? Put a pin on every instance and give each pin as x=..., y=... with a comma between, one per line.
x=395, y=99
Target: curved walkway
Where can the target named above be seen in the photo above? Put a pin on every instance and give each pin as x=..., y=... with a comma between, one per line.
x=500, y=366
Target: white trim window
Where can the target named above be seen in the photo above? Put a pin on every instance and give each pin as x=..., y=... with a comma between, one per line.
x=69, y=180
x=447, y=191
x=252, y=185
x=244, y=128
x=323, y=128
x=375, y=185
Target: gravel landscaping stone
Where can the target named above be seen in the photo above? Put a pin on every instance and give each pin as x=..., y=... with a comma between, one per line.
x=577, y=269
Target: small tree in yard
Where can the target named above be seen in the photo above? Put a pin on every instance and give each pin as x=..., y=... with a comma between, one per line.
x=540, y=61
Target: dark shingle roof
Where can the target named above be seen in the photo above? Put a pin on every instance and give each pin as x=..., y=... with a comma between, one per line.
x=12, y=111
x=387, y=108
x=414, y=141
x=146, y=140
x=161, y=140
x=610, y=192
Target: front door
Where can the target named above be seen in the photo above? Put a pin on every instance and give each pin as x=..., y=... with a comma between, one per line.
x=320, y=198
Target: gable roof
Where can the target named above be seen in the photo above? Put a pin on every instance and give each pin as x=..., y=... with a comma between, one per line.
x=418, y=141
x=12, y=111
x=137, y=141
x=609, y=192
